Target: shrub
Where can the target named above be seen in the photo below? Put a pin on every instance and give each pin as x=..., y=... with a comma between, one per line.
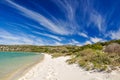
x=71, y=61
x=101, y=58
x=97, y=46
x=54, y=55
x=86, y=52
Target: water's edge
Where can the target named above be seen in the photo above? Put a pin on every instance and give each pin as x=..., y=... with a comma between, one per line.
x=23, y=66
x=21, y=72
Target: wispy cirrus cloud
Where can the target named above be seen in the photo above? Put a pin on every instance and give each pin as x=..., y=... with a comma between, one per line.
x=68, y=7
x=74, y=42
x=58, y=44
x=83, y=34
x=114, y=34
x=86, y=8
x=6, y=35
x=66, y=26
x=87, y=42
x=93, y=40
x=54, y=25
x=96, y=39
x=48, y=35
x=98, y=21
x=95, y=18
x=28, y=27
x=69, y=22
x=9, y=38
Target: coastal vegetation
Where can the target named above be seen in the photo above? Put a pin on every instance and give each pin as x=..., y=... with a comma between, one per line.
x=101, y=56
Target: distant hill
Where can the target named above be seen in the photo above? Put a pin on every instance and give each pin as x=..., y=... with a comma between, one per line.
x=33, y=48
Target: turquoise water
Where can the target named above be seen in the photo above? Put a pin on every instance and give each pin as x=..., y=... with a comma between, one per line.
x=13, y=61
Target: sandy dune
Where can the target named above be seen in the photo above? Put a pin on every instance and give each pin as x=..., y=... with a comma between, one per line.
x=58, y=69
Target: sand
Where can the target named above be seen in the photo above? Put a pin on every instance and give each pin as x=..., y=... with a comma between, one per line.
x=57, y=69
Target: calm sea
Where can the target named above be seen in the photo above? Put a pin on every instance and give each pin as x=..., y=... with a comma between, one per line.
x=13, y=62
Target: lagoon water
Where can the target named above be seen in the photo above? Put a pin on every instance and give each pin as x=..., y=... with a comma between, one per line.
x=13, y=62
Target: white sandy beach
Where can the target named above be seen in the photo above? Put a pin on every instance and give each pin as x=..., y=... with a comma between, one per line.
x=58, y=69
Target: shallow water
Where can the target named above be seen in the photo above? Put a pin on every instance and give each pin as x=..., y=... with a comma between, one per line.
x=12, y=61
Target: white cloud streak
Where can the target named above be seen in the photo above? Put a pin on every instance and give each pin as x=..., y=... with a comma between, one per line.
x=9, y=38
x=60, y=26
x=57, y=28
x=48, y=35
x=98, y=21
x=95, y=39
x=115, y=34
x=69, y=8
x=87, y=42
x=83, y=35
x=74, y=42
x=94, y=16
x=68, y=26
x=54, y=25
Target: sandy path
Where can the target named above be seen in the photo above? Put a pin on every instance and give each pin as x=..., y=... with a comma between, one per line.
x=58, y=69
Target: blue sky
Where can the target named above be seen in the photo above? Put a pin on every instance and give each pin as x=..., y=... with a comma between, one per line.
x=59, y=22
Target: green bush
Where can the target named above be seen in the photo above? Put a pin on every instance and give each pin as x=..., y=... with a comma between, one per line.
x=71, y=61
x=101, y=58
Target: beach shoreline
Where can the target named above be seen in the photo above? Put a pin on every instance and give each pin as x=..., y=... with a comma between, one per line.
x=15, y=75
x=57, y=69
